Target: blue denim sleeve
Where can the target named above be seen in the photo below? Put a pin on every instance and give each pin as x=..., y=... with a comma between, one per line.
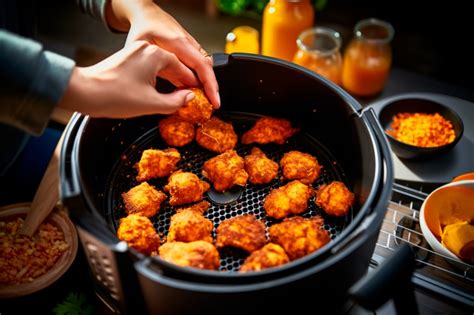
x=32, y=82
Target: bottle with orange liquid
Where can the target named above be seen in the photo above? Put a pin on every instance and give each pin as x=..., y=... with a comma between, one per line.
x=283, y=21
x=368, y=57
x=319, y=50
x=242, y=39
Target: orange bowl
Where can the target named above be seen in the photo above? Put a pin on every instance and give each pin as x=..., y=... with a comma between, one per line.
x=68, y=229
x=467, y=176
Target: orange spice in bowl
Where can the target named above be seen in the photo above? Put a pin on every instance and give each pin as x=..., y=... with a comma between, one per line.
x=422, y=129
x=26, y=258
x=30, y=264
x=419, y=128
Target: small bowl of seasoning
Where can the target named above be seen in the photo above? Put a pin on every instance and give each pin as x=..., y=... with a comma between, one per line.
x=30, y=264
x=420, y=128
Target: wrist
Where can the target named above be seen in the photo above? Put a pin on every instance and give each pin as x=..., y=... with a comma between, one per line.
x=71, y=98
x=121, y=13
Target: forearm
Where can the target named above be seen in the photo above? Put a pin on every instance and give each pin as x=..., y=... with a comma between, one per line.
x=33, y=82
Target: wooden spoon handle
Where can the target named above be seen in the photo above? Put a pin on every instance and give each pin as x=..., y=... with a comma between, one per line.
x=46, y=196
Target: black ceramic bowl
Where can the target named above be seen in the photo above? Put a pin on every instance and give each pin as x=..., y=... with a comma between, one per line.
x=415, y=105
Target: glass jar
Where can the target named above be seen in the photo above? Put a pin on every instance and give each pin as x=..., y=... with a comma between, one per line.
x=367, y=58
x=319, y=50
x=242, y=39
x=282, y=23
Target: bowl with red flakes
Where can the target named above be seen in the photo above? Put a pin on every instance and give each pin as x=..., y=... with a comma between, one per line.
x=30, y=264
x=420, y=128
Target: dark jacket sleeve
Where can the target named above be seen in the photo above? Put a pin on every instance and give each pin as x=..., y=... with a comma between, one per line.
x=32, y=82
x=96, y=9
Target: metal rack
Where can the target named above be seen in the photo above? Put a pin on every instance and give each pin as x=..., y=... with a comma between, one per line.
x=435, y=273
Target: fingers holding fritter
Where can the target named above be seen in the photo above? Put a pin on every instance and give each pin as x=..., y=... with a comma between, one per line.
x=185, y=187
x=244, y=232
x=291, y=198
x=143, y=199
x=198, y=254
x=189, y=224
x=301, y=166
x=157, y=163
x=139, y=233
x=175, y=131
x=198, y=110
x=270, y=255
x=299, y=236
x=225, y=171
x=335, y=198
x=261, y=169
x=216, y=135
x=269, y=129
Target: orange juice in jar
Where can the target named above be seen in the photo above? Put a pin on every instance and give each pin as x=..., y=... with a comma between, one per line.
x=283, y=21
x=367, y=58
x=319, y=50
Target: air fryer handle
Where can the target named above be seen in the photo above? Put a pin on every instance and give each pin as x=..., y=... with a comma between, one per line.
x=391, y=280
x=70, y=188
x=386, y=157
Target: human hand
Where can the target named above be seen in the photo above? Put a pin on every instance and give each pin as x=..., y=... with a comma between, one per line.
x=123, y=85
x=144, y=20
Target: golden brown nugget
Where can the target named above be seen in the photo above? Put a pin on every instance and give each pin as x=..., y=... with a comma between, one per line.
x=289, y=199
x=301, y=166
x=335, y=198
x=225, y=171
x=261, y=169
x=185, y=187
x=143, y=199
x=269, y=129
x=216, y=135
x=189, y=224
x=198, y=110
x=157, y=163
x=198, y=254
x=299, y=236
x=244, y=232
x=175, y=131
x=139, y=233
x=270, y=255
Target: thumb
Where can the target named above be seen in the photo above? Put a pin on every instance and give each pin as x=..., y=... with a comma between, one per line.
x=173, y=101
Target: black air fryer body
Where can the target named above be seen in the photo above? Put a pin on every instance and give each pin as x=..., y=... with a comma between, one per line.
x=249, y=84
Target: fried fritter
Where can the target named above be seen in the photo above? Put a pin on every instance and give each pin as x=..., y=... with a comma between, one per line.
x=299, y=236
x=175, y=131
x=189, y=224
x=301, y=166
x=157, y=163
x=270, y=255
x=291, y=198
x=261, y=169
x=143, y=199
x=198, y=110
x=269, y=129
x=216, y=135
x=244, y=232
x=198, y=254
x=335, y=198
x=225, y=171
x=185, y=187
x=139, y=233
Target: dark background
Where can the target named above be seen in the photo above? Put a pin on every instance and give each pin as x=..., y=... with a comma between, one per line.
x=431, y=38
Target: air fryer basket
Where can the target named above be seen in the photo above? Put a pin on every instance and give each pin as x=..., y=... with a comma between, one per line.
x=238, y=201
x=334, y=128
